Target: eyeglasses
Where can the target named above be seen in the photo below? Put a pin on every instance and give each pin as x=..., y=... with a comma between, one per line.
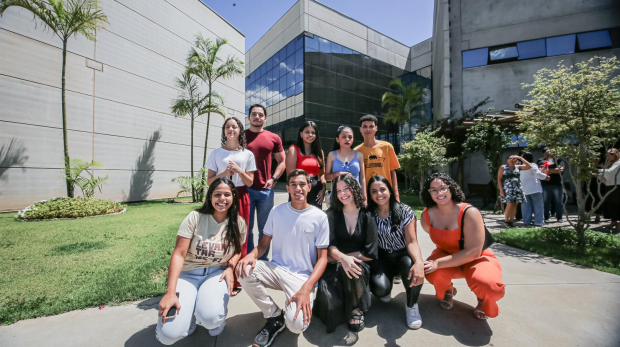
x=439, y=190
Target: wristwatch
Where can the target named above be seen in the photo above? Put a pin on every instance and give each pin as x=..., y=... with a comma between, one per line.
x=274, y=178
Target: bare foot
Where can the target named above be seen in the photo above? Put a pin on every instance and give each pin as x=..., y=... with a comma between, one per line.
x=478, y=313
x=355, y=314
x=448, y=299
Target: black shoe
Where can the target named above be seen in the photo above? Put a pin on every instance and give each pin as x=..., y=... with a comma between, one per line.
x=274, y=325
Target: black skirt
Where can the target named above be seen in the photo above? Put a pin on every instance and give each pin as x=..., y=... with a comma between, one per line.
x=611, y=205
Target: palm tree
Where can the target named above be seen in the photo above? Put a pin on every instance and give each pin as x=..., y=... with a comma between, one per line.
x=205, y=63
x=192, y=103
x=404, y=101
x=64, y=19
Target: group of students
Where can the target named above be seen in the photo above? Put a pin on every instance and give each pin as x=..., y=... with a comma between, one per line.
x=344, y=255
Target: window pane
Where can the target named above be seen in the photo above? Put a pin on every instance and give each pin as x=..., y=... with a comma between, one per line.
x=594, y=39
x=312, y=44
x=299, y=43
x=532, y=49
x=263, y=95
x=299, y=87
x=561, y=45
x=290, y=91
x=299, y=75
x=290, y=63
x=346, y=50
x=299, y=57
x=283, y=69
x=336, y=48
x=268, y=102
x=324, y=45
x=269, y=64
x=504, y=53
x=476, y=57
x=290, y=48
x=282, y=84
x=282, y=54
x=290, y=79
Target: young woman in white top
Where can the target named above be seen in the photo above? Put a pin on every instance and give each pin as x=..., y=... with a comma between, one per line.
x=530, y=180
x=200, y=276
x=235, y=161
x=611, y=178
x=344, y=160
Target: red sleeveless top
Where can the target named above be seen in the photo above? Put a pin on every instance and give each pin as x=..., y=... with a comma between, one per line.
x=308, y=164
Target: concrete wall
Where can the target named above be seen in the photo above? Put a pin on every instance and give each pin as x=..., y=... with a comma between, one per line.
x=441, y=59
x=119, y=91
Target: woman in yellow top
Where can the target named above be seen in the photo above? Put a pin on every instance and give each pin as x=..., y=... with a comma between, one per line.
x=200, y=276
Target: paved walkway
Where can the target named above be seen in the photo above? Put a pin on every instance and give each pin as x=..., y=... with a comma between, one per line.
x=548, y=303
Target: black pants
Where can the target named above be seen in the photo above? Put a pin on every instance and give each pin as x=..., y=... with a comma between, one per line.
x=383, y=270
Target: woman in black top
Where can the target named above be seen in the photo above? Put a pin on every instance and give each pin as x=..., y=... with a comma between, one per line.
x=343, y=292
x=399, y=251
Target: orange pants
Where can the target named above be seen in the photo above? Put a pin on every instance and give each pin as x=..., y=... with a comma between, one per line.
x=483, y=276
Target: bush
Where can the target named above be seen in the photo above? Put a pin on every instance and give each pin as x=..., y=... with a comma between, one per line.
x=568, y=237
x=69, y=208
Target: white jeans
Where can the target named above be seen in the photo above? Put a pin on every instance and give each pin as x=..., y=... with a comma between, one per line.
x=265, y=275
x=200, y=292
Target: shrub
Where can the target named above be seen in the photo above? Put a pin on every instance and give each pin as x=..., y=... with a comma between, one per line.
x=568, y=237
x=69, y=208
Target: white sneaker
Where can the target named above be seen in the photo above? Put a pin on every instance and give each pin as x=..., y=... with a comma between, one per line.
x=414, y=319
x=386, y=298
x=218, y=330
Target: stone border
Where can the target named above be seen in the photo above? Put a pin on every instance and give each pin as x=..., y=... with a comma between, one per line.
x=44, y=220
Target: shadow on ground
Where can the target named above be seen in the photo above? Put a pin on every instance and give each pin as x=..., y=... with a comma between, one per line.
x=528, y=257
x=146, y=338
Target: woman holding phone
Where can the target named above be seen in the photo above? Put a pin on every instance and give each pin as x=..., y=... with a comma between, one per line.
x=200, y=276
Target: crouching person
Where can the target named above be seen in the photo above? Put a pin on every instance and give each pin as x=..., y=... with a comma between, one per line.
x=299, y=236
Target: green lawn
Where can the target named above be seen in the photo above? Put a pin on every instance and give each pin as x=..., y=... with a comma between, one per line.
x=414, y=202
x=57, y=266
x=605, y=256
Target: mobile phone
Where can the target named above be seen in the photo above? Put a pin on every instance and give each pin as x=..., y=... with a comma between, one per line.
x=172, y=312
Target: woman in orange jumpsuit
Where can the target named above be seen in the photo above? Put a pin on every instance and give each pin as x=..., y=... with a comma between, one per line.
x=444, y=201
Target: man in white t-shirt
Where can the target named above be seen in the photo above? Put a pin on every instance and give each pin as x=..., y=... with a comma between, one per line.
x=299, y=236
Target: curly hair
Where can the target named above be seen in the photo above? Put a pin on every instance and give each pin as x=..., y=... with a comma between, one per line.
x=354, y=187
x=232, y=237
x=455, y=189
x=242, y=141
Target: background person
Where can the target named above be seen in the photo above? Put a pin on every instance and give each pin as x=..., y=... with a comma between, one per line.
x=207, y=249
x=553, y=190
x=510, y=189
x=611, y=177
x=444, y=201
x=530, y=180
x=343, y=160
x=307, y=155
x=343, y=291
x=263, y=144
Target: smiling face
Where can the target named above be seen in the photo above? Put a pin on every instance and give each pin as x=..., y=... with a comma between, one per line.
x=231, y=129
x=368, y=129
x=344, y=194
x=379, y=193
x=221, y=199
x=345, y=139
x=440, y=192
x=298, y=187
x=308, y=135
x=257, y=117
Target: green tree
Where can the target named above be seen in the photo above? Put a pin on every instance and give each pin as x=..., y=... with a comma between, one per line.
x=404, y=101
x=575, y=111
x=207, y=65
x=65, y=19
x=424, y=153
x=83, y=178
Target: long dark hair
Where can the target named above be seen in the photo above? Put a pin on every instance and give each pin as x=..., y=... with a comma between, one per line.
x=356, y=191
x=340, y=129
x=455, y=189
x=233, y=234
x=242, y=142
x=315, y=148
x=395, y=208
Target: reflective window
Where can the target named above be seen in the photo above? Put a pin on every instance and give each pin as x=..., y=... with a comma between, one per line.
x=324, y=46
x=299, y=43
x=504, y=53
x=290, y=63
x=290, y=79
x=336, y=48
x=561, y=45
x=476, y=57
x=532, y=49
x=312, y=43
x=282, y=54
x=299, y=75
x=299, y=57
x=299, y=87
x=594, y=39
x=290, y=48
x=346, y=50
x=269, y=64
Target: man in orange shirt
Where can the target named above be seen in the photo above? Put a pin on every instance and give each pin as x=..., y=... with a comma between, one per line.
x=379, y=156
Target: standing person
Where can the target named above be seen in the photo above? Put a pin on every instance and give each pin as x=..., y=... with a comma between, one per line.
x=343, y=160
x=399, y=251
x=379, y=156
x=510, y=189
x=344, y=292
x=234, y=160
x=307, y=155
x=263, y=144
x=300, y=236
x=200, y=276
x=442, y=218
x=553, y=191
x=530, y=180
x=611, y=177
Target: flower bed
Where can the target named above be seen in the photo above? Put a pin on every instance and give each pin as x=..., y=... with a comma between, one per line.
x=61, y=208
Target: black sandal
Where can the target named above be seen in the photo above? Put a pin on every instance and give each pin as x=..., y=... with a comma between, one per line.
x=357, y=327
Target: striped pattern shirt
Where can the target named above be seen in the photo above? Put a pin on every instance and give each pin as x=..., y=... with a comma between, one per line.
x=394, y=240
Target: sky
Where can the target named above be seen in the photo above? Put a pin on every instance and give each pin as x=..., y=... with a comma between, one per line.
x=407, y=21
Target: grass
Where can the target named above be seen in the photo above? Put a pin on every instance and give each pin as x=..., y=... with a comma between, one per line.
x=413, y=201
x=56, y=266
x=604, y=257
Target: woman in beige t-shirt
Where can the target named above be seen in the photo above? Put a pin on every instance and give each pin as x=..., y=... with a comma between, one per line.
x=207, y=249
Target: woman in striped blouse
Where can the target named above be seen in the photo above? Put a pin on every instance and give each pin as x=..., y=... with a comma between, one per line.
x=399, y=251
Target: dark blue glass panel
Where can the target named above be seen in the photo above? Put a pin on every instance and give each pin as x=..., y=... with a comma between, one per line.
x=290, y=92
x=561, y=45
x=283, y=69
x=324, y=45
x=299, y=75
x=336, y=48
x=284, y=94
x=290, y=63
x=354, y=52
x=299, y=43
x=504, y=53
x=346, y=50
x=299, y=57
x=290, y=48
x=299, y=87
x=532, y=49
x=263, y=95
x=290, y=79
x=282, y=54
x=268, y=102
x=312, y=44
x=263, y=82
x=282, y=84
x=476, y=57
x=269, y=64
x=594, y=39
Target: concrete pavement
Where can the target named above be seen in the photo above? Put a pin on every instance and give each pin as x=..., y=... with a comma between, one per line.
x=548, y=303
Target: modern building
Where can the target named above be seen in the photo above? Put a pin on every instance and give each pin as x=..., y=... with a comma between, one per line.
x=119, y=91
x=318, y=64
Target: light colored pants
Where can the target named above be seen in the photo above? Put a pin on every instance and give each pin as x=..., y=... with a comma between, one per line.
x=200, y=292
x=265, y=275
x=533, y=203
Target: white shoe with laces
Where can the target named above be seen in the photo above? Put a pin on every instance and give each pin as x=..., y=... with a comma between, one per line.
x=414, y=319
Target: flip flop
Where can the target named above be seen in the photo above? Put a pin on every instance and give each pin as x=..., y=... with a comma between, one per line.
x=357, y=327
x=447, y=305
x=479, y=314
x=236, y=291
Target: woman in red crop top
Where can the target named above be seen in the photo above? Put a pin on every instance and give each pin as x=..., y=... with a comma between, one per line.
x=307, y=155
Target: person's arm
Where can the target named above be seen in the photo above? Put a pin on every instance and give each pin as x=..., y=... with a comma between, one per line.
x=360, y=158
x=291, y=159
x=246, y=177
x=281, y=159
x=174, y=270
x=329, y=175
x=538, y=174
x=395, y=185
x=416, y=273
x=423, y=223
x=229, y=274
x=526, y=164
x=321, y=193
x=394, y=165
x=302, y=297
x=250, y=259
x=500, y=184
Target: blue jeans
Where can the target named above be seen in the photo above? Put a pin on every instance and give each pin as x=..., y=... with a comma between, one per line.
x=553, y=194
x=533, y=203
x=261, y=201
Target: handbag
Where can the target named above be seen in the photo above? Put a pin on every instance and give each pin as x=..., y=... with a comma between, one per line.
x=488, y=238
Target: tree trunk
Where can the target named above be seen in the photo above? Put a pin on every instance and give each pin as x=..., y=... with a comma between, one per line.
x=460, y=172
x=204, y=156
x=65, y=139
x=192, y=158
